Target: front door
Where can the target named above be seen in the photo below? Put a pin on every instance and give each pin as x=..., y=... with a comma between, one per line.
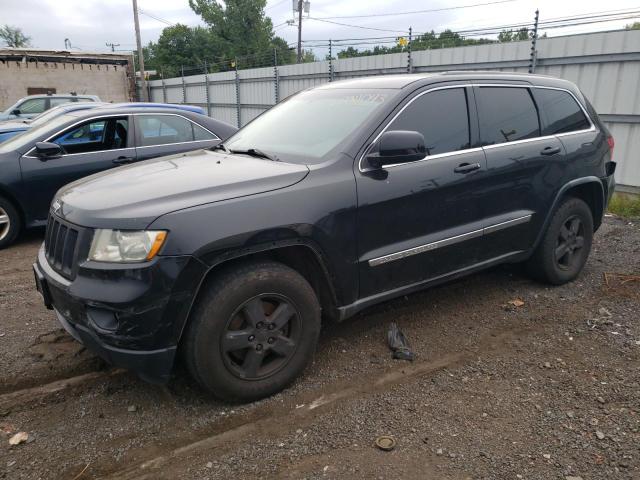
x=421, y=220
x=89, y=147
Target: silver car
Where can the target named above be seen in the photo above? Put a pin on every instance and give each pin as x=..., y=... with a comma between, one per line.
x=29, y=107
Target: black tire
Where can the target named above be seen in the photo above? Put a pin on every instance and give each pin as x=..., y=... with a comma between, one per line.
x=565, y=246
x=239, y=321
x=10, y=223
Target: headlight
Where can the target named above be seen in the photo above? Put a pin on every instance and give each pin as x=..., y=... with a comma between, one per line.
x=126, y=246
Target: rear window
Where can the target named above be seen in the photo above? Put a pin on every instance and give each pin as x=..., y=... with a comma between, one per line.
x=560, y=110
x=506, y=114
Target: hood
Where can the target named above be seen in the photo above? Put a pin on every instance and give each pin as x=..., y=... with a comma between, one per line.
x=133, y=196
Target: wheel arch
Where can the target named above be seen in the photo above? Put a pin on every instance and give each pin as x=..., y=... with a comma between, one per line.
x=303, y=257
x=588, y=189
x=9, y=196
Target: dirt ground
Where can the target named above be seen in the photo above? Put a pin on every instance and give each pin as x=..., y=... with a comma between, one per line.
x=546, y=390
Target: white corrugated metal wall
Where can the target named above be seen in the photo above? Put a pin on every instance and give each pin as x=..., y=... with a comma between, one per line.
x=606, y=67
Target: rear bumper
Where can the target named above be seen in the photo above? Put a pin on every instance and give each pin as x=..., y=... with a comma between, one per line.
x=132, y=316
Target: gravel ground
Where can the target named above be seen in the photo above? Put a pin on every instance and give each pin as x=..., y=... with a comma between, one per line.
x=546, y=390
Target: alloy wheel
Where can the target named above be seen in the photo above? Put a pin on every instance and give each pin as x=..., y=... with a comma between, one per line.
x=261, y=336
x=570, y=243
x=5, y=223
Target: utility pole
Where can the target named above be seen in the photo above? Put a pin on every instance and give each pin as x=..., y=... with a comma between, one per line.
x=299, y=31
x=143, y=82
x=113, y=46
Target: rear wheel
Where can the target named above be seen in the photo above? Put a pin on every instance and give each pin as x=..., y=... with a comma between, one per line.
x=566, y=244
x=10, y=223
x=253, y=331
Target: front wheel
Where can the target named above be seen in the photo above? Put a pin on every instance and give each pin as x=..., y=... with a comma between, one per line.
x=10, y=223
x=253, y=331
x=565, y=247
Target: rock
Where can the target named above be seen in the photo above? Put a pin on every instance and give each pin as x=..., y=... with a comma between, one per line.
x=603, y=311
x=439, y=451
x=132, y=408
x=547, y=365
x=593, y=422
x=572, y=478
x=19, y=438
x=209, y=464
x=600, y=435
x=547, y=456
x=601, y=400
x=570, y=414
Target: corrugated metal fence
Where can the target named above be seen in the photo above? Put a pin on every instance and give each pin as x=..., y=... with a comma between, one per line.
x=606, y=67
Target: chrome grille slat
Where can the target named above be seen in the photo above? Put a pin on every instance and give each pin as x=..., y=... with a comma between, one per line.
x=60, y=245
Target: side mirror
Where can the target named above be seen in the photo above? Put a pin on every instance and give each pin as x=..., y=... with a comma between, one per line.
x=48, y=151
x=398, y=146
x=16, y=112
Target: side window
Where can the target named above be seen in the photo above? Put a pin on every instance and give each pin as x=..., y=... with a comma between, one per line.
x=561, y=111
x=55, y=101
x=506, y=114
x=200, y=133
x=163, y=129
x=35, y=105
x=94, y=136
x=441, y=116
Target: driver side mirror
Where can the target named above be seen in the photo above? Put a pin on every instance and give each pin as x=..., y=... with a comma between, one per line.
x=15, y=112
x=398, y=146
x=48, y=151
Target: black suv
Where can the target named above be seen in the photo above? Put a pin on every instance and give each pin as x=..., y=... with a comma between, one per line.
x=338, y=198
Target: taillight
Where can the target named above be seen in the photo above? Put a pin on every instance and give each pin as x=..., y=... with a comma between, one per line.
x=611, y=142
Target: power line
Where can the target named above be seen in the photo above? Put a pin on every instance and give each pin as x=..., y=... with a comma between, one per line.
x=155, y=17
x=275, y=4
x=357, y=26
x=390, y=14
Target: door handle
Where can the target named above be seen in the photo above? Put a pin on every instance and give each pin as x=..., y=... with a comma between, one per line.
x=122, y=160
x=466, y=167
x=550, y=150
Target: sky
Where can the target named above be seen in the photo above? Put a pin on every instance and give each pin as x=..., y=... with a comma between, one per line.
x=90, y=24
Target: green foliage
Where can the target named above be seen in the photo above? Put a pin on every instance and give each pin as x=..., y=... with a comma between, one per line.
x=511, y=36
x=625, y=205
x=427, y=41
x=633, y=26
x=236, y=33
x=13, y=37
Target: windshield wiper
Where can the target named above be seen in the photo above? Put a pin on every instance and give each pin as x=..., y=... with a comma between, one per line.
x=255, y=152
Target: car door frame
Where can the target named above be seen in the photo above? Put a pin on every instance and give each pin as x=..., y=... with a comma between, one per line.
x=434, y=243
x=194, y=144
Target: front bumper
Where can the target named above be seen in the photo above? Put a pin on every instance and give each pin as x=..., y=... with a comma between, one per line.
x=132, y=316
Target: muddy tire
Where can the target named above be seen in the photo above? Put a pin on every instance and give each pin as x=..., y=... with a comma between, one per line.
x=10, y=223
x=564, y=249
x=253, y=331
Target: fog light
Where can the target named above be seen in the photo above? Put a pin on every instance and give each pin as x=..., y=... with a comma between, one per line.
x=102, y=319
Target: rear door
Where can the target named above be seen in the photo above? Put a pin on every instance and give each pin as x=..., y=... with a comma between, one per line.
x=159, y=134
x=524, y=168
x=420, y=220
x=89, y=146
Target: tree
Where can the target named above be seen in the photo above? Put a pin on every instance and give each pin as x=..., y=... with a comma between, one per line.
x=511, y=36
x=13, y=37
x=633, y=26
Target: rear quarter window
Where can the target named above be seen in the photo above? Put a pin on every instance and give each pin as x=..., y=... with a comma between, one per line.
x=560, y=111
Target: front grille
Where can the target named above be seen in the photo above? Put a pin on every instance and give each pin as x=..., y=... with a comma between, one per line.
x=60, y=245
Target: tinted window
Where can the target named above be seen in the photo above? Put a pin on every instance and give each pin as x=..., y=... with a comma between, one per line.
x=163, y=129
x=94, y=136
x=506, y=114
x=35, y=105
x=200, y=133
x=561, y=111
x=441, y=116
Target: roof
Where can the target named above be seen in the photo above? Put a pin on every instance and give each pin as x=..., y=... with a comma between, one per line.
x=404, y=80
x=66, y=56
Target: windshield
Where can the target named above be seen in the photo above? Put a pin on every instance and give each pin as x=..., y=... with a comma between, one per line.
x=311, y=124
x=23, y=140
